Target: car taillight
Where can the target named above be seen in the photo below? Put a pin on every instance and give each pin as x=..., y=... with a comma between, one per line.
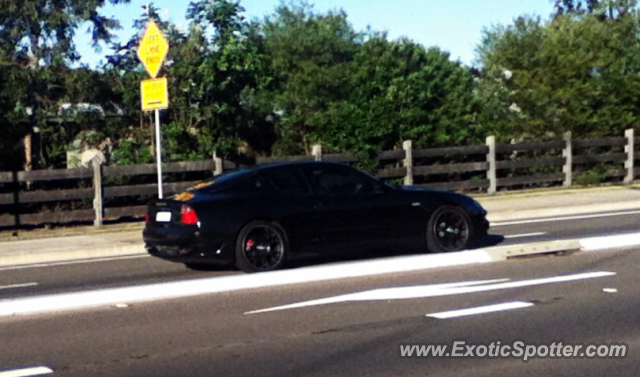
x=188, y=215
x=147, y=219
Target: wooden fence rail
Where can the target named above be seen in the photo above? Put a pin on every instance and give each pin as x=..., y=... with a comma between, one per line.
x=488, y=168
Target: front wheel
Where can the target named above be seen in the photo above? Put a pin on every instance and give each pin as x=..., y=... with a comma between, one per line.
x=261, y=246
x=449, y=229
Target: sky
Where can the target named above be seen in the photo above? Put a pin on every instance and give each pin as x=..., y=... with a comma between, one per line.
x=454, y=26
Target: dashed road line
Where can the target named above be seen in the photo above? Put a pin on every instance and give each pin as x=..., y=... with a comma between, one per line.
x=26, y=372
x=481, y=310
x=525, y=235
x=13, y=286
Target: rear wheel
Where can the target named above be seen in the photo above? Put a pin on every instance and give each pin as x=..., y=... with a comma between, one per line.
x=449, y=229
x=261, y=246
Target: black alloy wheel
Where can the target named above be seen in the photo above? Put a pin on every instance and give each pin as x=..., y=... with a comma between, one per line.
x=261, y=246
x=449, y=229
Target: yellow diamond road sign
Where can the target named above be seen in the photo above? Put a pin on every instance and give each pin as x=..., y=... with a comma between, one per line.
x=153, y=49
x=155, y=94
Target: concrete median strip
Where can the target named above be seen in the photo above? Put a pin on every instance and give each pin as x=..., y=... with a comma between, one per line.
x=498, y=253
x=512, y=251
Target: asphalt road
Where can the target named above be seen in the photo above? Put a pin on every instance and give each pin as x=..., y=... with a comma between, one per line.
x=212, y=335
x=108, y=273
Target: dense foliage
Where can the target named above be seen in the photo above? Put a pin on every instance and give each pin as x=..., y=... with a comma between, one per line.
x=579, y=72
x=298, y=77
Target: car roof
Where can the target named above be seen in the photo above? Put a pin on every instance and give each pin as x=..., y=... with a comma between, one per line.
x=240, y=173
x=278, y=165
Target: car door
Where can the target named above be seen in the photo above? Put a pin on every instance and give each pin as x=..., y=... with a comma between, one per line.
x=351, y=208
x=292, y=204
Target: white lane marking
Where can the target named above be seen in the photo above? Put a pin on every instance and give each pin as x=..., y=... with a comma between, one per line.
x=427, y=291
x=83, y=261
x=27, y=372
x=610, y=290
x=525, y=235
x=188, y=288
x=603, y=243
x=481, y=310
x=18, y=286
x=399, y=293
x=565, y=218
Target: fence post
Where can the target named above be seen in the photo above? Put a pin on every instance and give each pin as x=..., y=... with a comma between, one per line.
x=567, y=153
x=96, y=162
x=219, y=164
x=629, y=149
x=491, y=159
x=408, y=162
x=16, y=198
x=317, y=152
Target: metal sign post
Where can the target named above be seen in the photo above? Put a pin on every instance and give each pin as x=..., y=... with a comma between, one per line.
x=154, y=97
x=159, y=154
x=154, y=93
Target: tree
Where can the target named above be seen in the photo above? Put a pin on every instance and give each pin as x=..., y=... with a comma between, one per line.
x=11, y=133
x=308, y=55
x=134, y=132
x=229, y=68
x=41, y=32
x=36, y=51
x=358, y=91
x=210, y=66
x=399, y=90
x=602, y=9
x=572, y=74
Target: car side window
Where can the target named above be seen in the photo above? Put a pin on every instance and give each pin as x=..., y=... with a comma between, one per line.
x=337, y=181
x=251, y=185
x=289, y=181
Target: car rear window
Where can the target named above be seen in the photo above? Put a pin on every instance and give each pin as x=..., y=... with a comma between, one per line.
x=223, y=180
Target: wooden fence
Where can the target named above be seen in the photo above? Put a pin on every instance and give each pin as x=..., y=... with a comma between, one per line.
x=93, y=194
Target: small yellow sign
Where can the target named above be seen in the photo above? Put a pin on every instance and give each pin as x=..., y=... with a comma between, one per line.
x=153, y=49
x=155, y=94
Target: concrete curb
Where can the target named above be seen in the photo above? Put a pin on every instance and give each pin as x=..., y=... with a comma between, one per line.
x=499, y=253
x=516, y=214
x=67, y=256
x=542, y=192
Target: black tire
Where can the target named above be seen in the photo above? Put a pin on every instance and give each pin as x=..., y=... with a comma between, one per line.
x=261, y=246
x=449, y=229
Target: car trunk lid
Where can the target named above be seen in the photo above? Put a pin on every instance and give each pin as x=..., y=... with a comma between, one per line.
x=164, y=212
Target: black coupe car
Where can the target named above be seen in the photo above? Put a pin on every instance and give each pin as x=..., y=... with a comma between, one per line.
x=256, y=217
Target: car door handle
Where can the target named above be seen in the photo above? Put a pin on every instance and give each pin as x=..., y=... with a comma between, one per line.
x=323, y=204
